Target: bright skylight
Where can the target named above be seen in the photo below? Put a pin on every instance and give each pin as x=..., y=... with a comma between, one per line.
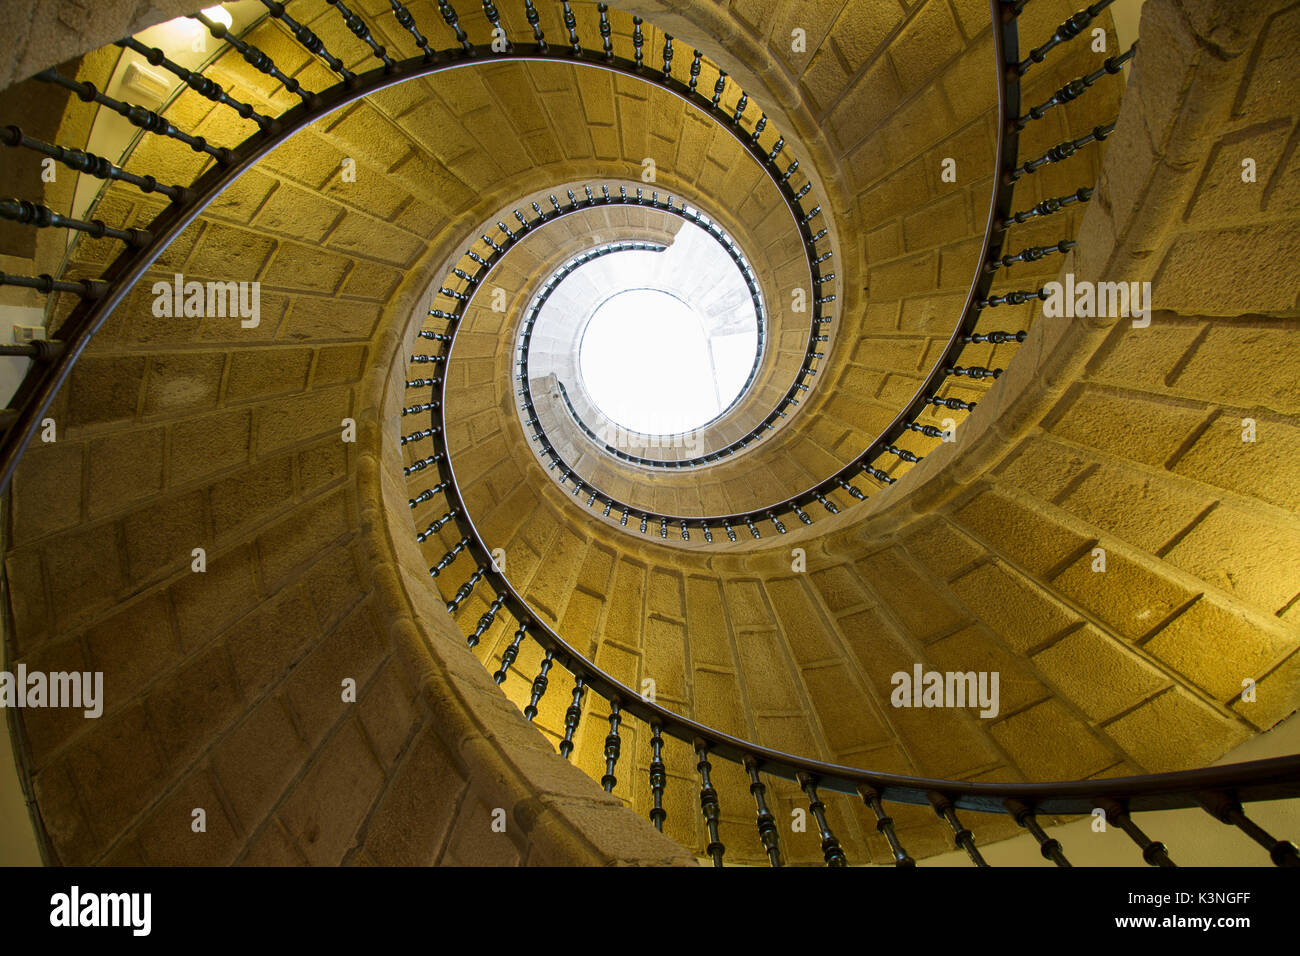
x=651, y=366
x=651, y=341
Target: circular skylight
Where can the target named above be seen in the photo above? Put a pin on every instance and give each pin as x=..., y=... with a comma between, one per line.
x=652, y=364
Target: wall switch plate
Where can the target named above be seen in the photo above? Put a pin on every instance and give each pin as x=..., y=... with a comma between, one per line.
x=28, y=333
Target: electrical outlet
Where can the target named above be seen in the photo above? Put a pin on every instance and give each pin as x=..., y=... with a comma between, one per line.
x=28, y=333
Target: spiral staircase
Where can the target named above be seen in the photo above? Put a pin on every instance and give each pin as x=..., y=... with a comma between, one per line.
x=570, y=643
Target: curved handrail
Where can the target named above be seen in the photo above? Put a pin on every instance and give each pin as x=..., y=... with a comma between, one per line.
x=100, y=297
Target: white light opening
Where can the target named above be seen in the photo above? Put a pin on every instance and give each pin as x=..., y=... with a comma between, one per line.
x=651, y=363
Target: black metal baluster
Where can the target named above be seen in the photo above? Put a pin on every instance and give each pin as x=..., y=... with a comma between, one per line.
x=963, y=838
x=1226, y=809
x=973, y=371
x=571, y=24
x=1068, y=30
x=638, y=43
x=695, y=70
x=486, y=620
x=510, y=653
x=539, y=685
x=361, y=30
x=1060, y=152
x=201, y=84
x=450, y=17
x=42, y=217
x=1031, y=254
x=449, y=557
x=830, y=845
x=428, y=494
x=437, y=525
x=606, y=32
x=612, y=747
x=465, y=590
x=407, y=20
x=572, y=715
x=1047, y=207
x=668, y=56
x=1050, y=847
x=884, y=824
x=767, y=831
x=658, y=777
x=310, y=41
x=709, y=802
x=254, y=56
x=45, y=284
x=420, y=464
x=534, y=21
x=494, y=18
x=83, y=162
x=1076, y=88
x=146, y=120
x=1153, y=852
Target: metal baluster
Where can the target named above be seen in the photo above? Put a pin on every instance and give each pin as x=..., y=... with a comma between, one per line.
x=539, y=685
x=1060, y=152
x=452, y=20
x=749, y=523
x=405, y=18
x=42, y=217
x=571, y=716
x=420, y=465
x=449, y=557
x=428, y=493
x=695, y=70
x=668, y=56
x=146, y=120
x=436, y=526
x=494, y=18
x=709, y=803
x=606, y=31
x=638, y=42
x=612, y=747
x=1068, y=30
x=828, y=504
x=718, y=88
x=1012, y=298
x=884, y=824
x=571, y=24
x=1225, y=809
x=83, y=162
x=510, y=653
x=830, y=845
x=416, y=436
x=767, y=831
x=254, y=56
x=486, y=620
x=45, y=284
x=201, y=84
x=310, y=41
x=902, y=453
x=964, y=839
x=361, y=31
x=1076, y=88
x=1153, y=852
x=997, y=338
x=658, y=777
x=534, y=20
x=1047, y=207
x=974, y=371
x=1050, y=847
x=465, y=590
x=1032, y=254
